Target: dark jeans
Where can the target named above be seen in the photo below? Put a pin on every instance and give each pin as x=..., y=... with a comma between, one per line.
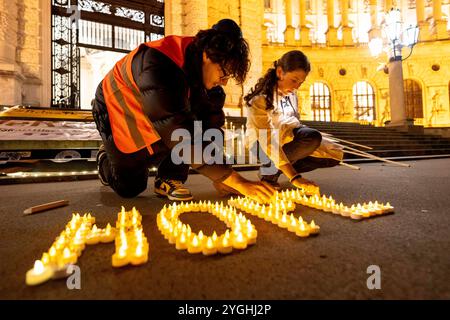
x=305, y=141
x=127, y=174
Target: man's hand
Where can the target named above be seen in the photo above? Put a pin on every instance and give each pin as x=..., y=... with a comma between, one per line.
x=308, y=186
x=258, y=191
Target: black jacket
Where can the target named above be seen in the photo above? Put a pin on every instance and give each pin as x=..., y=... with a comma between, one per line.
x=172, y=98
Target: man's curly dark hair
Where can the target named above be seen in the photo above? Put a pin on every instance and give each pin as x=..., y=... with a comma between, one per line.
x=224, y=44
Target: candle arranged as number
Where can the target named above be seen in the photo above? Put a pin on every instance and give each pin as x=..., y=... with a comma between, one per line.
x=328, y=204
x=131, y=243
x=276, y=212
x=132, y=246
x=241, y=234
x=64, y=251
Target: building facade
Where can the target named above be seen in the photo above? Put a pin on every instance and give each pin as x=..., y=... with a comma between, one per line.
x=346, y=82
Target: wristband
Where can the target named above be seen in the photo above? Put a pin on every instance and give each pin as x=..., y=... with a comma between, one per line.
x=298, y=175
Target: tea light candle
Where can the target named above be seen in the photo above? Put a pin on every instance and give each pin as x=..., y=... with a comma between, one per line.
x=194, y=246
x=302, y=231
x=181, y=242
x=292, y=226
x=313, y=228
x=139, y=256
x=39, y=274
x=283, y=223
x=109, y=234
x=356, y=215
x=209, y=248
x=251, y=233
x=225, y=245
x=94, y=236
x=120, y=258
x=239, y=241
x=69, y=257
x=388, y=208
x=215, y=239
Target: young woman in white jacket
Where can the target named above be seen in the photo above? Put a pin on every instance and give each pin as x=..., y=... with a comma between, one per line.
x=272, y=105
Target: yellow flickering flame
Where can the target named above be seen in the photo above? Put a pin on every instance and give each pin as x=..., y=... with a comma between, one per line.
x=302, y=227
x=52, y=252
x=293, y=222
x=66, y=253
x=209, y=243
x=94, y=229
x=108, y=230
x=225, y=241
x=214, y=236
x=183, y=238
x=122, y=252
x=38, y=267
x=139, y=252
x=313, y=225
x=45, y=258
x=200, y=235
x=195, y=241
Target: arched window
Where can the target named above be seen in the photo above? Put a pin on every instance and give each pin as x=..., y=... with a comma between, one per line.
x=364, y=101
x=320, y=101
x=413, y=99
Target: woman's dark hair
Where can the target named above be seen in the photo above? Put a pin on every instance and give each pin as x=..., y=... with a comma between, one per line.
x=224, y=44
x=290, y=61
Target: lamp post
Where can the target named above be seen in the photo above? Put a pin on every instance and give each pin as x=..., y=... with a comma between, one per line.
x=395, y=37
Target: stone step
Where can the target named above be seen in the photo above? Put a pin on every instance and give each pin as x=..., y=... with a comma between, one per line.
x=405, y=152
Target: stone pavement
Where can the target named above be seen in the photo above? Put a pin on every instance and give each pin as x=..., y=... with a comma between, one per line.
x=412, y=246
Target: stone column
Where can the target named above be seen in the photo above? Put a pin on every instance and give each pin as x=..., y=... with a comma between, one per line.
x=29, y=50
x=424, y=33
x=195, y=16
x=289, y=33
x=11, y=77
x=251, y=19
x=347, y=38
x=439, y=25
x=374, y=31
x=264, y=39
x=304, y=30
x=387, y=5
x=396, y=94
x=332, y=31
x=46, y=47
x=173, y=13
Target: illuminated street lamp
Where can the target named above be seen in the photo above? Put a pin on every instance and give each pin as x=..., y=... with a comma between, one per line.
x=395, y=38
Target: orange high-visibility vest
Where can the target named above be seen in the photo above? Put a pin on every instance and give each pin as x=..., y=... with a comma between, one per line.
x=132, y=130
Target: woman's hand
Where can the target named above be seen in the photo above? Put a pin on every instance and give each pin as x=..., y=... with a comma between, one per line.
x=258, y=191
x=306, y=185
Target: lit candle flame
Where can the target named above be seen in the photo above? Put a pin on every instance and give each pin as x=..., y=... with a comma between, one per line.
x=38, y=266
x=195, y=241
x=209, y=243
x=52, y=252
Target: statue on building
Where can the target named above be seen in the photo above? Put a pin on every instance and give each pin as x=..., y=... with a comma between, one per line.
x=386, y=115
x=436, y=107
x=342, y=102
